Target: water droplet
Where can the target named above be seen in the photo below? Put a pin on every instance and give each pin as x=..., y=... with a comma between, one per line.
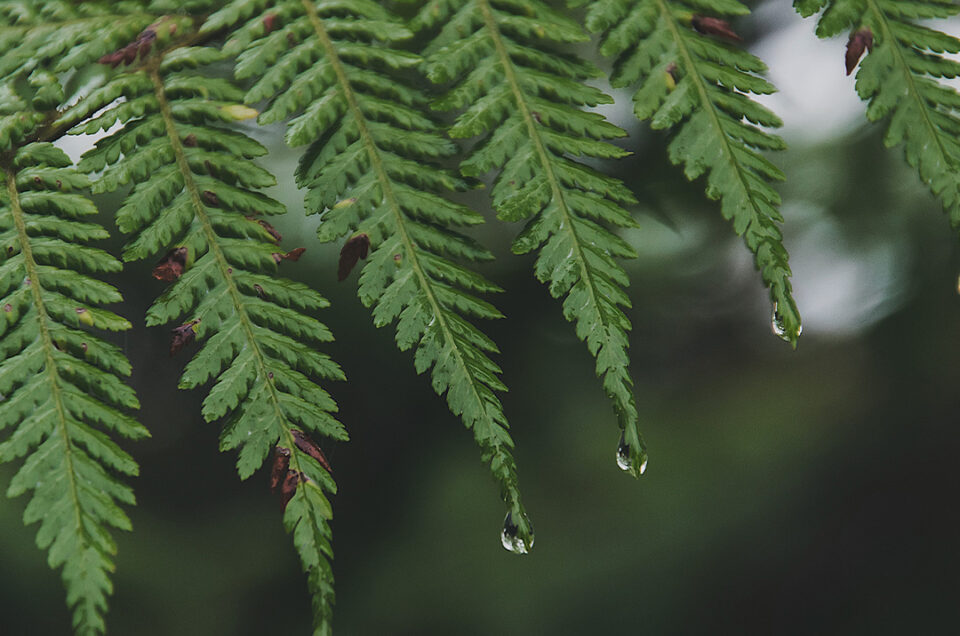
x=511, y=537
x=779, y=328
x=625, y=460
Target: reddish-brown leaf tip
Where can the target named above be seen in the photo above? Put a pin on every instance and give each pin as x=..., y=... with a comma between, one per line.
x=293, y=255
x=171, y=266
x=860, y=41
x=182, y=336
x=714, y=26
x=308, y=446
x=281, y=463
x=353, y=250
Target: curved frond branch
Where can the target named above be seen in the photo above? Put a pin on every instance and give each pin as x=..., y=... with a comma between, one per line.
x=195, y=196
x=899, y=79
x=61, y=384
x=694, y=83
x=369, y=168
x=526, y=98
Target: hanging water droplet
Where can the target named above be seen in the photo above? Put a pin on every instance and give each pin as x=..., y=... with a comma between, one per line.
x=626, y=461
x=779, y=327
x=511, y=537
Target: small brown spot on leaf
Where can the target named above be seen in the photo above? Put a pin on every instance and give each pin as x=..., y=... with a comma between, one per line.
x=83, y=345
x=190, y=140
x=8, y=308
x=308, y=446
x=171, y=266
x=210, y=198
x=37, y=180
x=272, y=231
x=353, y=250
x=84, y=316
x=269, y=22
x=257, y=288
x=860, y=41
x=182, y=336
x=127, y=54
x=714, y=26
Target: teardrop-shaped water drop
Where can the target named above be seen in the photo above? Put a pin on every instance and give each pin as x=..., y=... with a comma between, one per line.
x=511, y=536
x=626, y=461
x=779, y=327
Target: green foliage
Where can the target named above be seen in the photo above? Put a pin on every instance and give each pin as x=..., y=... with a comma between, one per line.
x=370, y=169
x=526, y=97
x=195, y=190
x=61, y=385
x=899, y=79
x=692, y=81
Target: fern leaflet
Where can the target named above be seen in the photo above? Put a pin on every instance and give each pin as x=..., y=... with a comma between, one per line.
x=195, y=190
x=699, y=87
x=899, y=79
x=60, y=384
x=526, y=97
x=369, y=171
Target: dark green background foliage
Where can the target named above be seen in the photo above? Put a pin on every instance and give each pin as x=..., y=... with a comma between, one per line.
x=789, y=492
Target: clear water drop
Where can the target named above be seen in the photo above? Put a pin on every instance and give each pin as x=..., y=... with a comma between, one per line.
x=625, y=459
x=778, y=327
x=511, y=537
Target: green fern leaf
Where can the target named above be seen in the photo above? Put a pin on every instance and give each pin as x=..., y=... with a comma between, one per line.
x=899, y=80
x=60, y=384
x=696, y=84
x=195, y=190
x=527, y=98
x=369, y=168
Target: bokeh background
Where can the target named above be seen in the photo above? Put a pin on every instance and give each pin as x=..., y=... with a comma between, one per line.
x=788, y=492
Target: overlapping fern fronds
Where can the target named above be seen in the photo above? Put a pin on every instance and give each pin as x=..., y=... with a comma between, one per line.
x=195, y=196
x=526, y=97
x=693, y=81
x=899, y=79
x=54, y=36
x=371, y=172
x=61, y=386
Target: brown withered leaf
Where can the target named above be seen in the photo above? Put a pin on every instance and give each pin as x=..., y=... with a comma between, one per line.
x=293, y=255
x=714, y=26
x=289, y=487
x=171, y=266
x=281, y=464
x=860, y=41
x=127, y=54
x=353, y=250
x=308, y=446
x=182, y=336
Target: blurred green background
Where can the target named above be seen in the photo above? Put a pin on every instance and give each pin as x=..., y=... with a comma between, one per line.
x=788, y=492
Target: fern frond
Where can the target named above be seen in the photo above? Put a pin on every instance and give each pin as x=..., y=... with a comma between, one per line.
x=370, y=169
x=64, y=35
x=899, y=80
x=694, y=83
x=195, y=190
x=60, y=385
x=526, y=98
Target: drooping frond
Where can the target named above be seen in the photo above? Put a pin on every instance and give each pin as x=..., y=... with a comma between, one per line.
x=526, y=98
x=370, y=170
x=691, y=80
x=899, y=79
x=195, y=197
x=60, y=385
